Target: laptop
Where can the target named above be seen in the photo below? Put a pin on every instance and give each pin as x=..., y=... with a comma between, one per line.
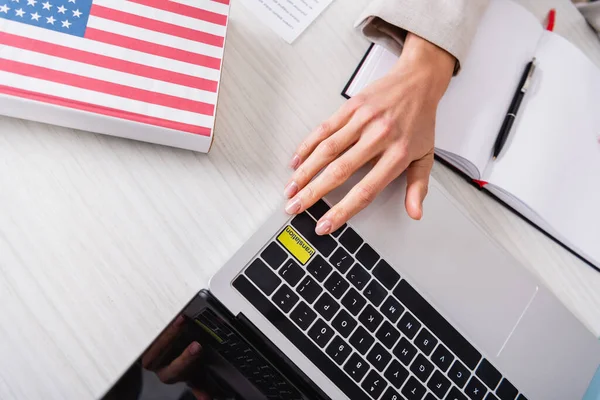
x=385, y=308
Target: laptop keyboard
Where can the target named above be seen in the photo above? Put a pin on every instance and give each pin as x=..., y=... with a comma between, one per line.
x=362, y=324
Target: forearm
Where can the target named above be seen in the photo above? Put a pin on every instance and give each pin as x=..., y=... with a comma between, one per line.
x=427, y=65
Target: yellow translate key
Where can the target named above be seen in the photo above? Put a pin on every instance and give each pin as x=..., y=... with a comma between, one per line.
x=291, y=240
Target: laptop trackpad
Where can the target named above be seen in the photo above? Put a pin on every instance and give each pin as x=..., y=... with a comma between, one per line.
x=481, y=290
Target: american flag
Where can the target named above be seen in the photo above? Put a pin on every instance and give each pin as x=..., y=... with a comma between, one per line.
x=155, y=62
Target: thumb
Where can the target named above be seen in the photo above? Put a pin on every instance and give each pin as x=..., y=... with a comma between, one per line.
x=417, y=182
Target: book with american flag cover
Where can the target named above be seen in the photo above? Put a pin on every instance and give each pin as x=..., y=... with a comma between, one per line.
x=146, y=70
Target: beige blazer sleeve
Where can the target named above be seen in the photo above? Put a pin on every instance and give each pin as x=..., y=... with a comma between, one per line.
x=450, y=24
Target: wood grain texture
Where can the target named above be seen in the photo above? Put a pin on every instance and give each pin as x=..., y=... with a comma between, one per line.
x=103, y=240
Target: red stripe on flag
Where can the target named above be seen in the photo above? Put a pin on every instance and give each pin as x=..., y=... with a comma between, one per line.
x=188, y=11
x=156, y=26
x=222, y=1
x=111, y=88
x=110, y=112
x=152, y=48
x=107, y=62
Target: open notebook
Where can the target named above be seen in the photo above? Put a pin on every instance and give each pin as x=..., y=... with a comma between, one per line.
x=549, y=169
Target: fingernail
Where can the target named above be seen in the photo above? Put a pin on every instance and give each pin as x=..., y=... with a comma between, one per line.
x=293, y=206
x=195, y=348
x=179, y=321
x=291, y=189
x=323, y=227
x=295, y=161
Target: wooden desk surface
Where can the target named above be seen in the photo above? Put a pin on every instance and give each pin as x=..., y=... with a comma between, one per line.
x=103, y=240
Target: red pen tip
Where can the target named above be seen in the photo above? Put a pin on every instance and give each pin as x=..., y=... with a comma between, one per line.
x=551, y=20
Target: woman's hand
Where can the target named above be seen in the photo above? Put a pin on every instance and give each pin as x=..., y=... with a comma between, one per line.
x=392, y=122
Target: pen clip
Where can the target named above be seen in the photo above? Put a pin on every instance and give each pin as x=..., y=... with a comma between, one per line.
x=529, y=77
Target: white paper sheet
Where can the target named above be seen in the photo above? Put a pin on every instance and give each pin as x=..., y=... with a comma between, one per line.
x=288, y=18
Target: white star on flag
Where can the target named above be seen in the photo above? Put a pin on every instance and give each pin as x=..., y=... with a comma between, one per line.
x=46, y=5
x=66, y=24
x=4, y=9
x=72, y=1
x=50, y=20
x=31, y=2
x=62, y=9
x=19, y=12
x=36, y=16
x=77, y=13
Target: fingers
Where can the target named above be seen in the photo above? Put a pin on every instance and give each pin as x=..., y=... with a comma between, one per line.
x=173, y=371
x=337, y=172
x=417, y=183
x=327, y=151
x=325, y=130
x=389, y=167
x=161, y=342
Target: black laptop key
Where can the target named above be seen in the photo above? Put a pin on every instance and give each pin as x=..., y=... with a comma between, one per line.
x=306, y=226
x=438, y=384
x=291, y=272
x=373, y=384
x=319, y=268
x=521, y=397
x=350, y=240
x=303, y=315
x=367, y=256
x=413, y=390
x=492, y=396
x=285, y=298
x=422, y=368
x=274, y=255
x=370, y=318
x=488, y=374
x=388, y=335
x=392, y=309
x=379, y=357
x=262, y=276
x=437, y=324
x=318, y=209
x=405, y=351
x=455, y=394
x=425, y=341
x=362, y=340
x=344, y=323
x=356, y=367
x=353, y=301
x=336, y=285
x=375, y=293
x=429, y=396
x=386, y=274
x=309, y=289
x=298, y=338
x=326, y=306
x=391, y=394
x=506, y=391
x=358, y=276
x=321, y=333
x=396, y=374
x=459, y=374
x=338, y=350
x=475, y=390
x=341, y=260
x=409, y=325
x=442, y=358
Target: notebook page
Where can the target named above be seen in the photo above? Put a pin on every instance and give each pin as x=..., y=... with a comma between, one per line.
x=552, y=159
x=471, y=112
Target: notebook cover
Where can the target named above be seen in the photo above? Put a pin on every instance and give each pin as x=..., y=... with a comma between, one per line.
x=143, y=69
x=480, y=185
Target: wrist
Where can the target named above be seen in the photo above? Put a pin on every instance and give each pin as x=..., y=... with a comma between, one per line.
x=427, y=62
